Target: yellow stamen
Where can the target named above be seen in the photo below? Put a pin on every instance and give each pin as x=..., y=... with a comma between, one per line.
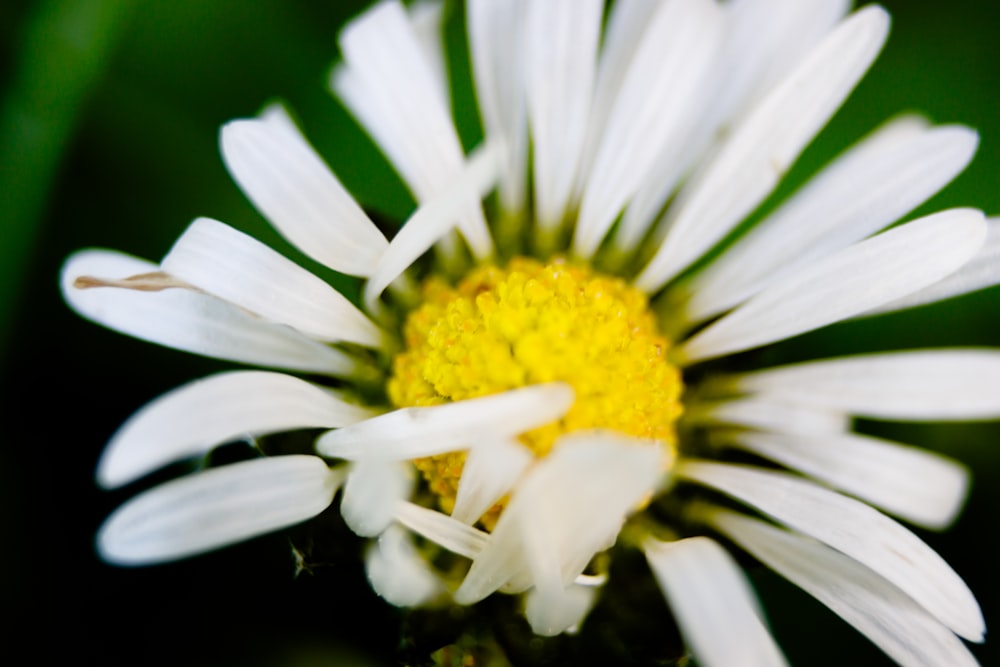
x=530, y=323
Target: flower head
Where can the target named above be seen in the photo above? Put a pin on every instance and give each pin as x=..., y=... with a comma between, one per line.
x=555, y=381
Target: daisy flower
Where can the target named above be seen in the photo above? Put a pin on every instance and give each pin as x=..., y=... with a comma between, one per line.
x=541, y=376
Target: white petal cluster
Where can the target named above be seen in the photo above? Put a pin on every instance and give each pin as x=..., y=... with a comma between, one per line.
x=669, y=126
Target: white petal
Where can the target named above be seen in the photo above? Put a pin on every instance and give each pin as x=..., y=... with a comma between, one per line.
x=854, y=280
x=568, y=507
x=233, y=266
x=348, y=85
x=982, y=271
x=491, y=468
x=216, y=508
x=496, y=36
x=767, y=40
x=764, y=39
x=924, y=385
x=395, y=93
x=769, y=413
x=382, y=43
x=854, y=528
x=713, y=603
x=435, y=218
x=911, y=483
x=410, y=433
x=191, y=321
x=442, y=529
x=551, y=607
x=757, y=253
x=766, y=144
x=295, y=190
x=661, y=96
x=192, y=419
x=398, y=573
x=876, y=608
x=373, y=491
x=879, y=181
x=561, y=51
x=427, y=18
x=560, y=611
x=627, y=21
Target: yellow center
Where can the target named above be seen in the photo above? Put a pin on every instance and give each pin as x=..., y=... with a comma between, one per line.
x=530, y=323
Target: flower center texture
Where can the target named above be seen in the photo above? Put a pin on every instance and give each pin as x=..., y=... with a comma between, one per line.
x=530, y=323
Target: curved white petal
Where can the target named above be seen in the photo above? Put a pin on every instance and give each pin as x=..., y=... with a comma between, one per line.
x=398, y=573
x=491, y=468
x=568, y=507
x=911, y=483
x=372, y=493
x=394, y=92
x=442, y=529
x=662, y=94
x=713, y=603
x=561, y=53
x=188, y=320
x=982, y=271
x=435, y=218
x=410, y=433
x=233, y=266
x=215, y=508
x=295, y=190
x=854, y=280
x=496, y=36
x=859, y=531
x=193, y=418
x=875, y=607
x=765, y=145
x=882, y=179
x=922, y=385
x=770, y=413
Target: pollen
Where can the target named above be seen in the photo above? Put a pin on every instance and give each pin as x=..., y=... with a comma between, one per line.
x=529, y=323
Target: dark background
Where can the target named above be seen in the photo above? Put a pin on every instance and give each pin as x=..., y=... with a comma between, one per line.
x=108, y=137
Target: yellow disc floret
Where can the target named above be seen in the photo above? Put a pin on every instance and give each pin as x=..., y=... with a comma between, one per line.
x=530, y=323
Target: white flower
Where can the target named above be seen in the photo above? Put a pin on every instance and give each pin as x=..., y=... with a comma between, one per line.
x=523, y=395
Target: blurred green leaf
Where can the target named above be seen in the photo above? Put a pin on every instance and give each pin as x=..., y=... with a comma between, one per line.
x=65, y=49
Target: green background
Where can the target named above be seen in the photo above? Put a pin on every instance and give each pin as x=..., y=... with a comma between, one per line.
x=109, y=121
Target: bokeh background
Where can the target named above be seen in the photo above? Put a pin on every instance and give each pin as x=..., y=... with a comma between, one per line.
x=109, y=116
